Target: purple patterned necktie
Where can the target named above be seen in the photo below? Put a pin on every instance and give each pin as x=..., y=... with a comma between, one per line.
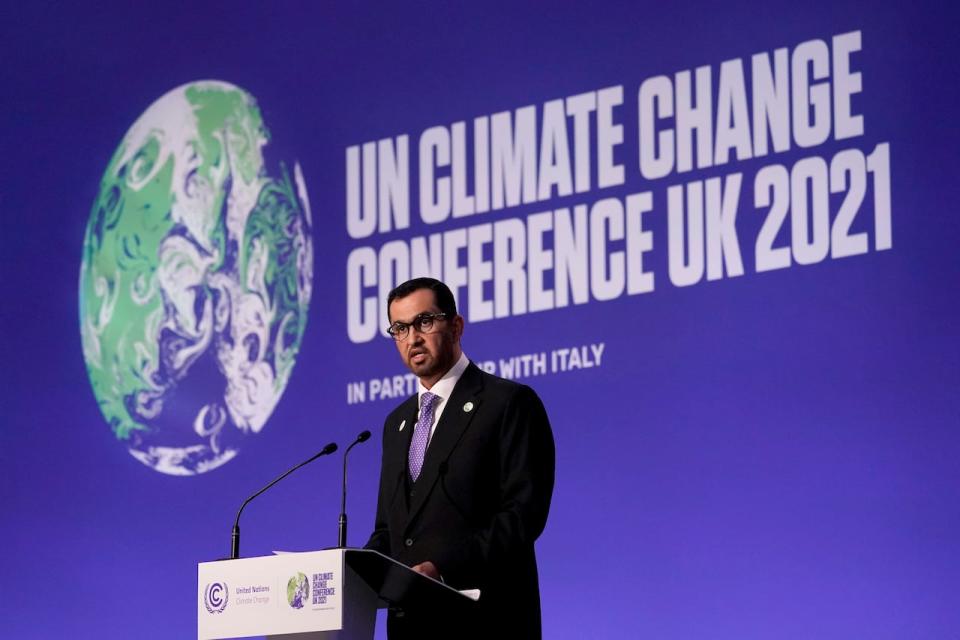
x=421, y=434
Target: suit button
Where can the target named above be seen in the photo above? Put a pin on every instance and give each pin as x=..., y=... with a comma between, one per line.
x=408, y=542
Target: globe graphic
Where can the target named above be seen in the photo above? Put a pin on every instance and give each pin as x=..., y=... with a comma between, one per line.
x=298, y=591
x=195, y=281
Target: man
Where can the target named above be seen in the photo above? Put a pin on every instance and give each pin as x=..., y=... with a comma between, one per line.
x=466, y=476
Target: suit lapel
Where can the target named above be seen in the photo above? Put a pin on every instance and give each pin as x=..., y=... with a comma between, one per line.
x=402, y=438
x=453, y=423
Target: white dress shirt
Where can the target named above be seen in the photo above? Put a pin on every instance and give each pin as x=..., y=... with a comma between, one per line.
x=442, y=388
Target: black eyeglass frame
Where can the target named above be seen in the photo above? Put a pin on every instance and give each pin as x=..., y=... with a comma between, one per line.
x=399, y=331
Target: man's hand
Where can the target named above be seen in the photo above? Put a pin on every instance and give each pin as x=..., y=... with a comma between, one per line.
x=428, y=569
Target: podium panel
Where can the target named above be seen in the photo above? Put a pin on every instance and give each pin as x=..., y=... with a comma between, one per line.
x=283, y=595
x=311, y=596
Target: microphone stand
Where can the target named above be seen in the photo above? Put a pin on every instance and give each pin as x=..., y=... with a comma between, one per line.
x=235, y=534
x=342, y=528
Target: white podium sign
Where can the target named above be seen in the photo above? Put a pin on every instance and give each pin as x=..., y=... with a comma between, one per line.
x=293, y=593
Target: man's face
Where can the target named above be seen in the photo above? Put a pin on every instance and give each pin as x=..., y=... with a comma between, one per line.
x=430, y=355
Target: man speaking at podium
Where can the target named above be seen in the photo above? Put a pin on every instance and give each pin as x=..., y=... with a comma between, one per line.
x=466, y=476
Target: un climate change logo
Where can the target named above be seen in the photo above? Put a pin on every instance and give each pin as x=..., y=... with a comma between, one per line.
x=195, y=280
x=298, y=591
x=215, y=597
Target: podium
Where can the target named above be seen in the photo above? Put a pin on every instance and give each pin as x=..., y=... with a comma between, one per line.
x=311, y=596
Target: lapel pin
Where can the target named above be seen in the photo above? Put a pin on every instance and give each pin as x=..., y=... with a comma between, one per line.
x=468, y=407
x=402, y=425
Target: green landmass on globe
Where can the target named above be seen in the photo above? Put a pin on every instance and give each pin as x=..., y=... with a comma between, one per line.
x=298, y=591
x=195, y=281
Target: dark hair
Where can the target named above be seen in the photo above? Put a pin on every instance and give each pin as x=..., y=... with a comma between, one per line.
x=440, y=291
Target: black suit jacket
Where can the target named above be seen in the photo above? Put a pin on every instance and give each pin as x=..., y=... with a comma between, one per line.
x=480, y=502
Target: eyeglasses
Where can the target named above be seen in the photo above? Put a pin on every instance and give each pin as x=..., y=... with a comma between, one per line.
x=424, y=323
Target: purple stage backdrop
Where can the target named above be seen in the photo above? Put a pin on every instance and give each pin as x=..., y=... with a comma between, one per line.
x=720, y=243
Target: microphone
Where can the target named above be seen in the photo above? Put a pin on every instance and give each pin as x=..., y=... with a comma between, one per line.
x=235, y=534
x=342, y=529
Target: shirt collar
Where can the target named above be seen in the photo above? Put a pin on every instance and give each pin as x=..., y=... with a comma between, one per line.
x=444, y=386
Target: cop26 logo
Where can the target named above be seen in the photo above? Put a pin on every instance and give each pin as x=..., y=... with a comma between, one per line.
x=298, y=591
x=195, y=280
x=215, y=597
